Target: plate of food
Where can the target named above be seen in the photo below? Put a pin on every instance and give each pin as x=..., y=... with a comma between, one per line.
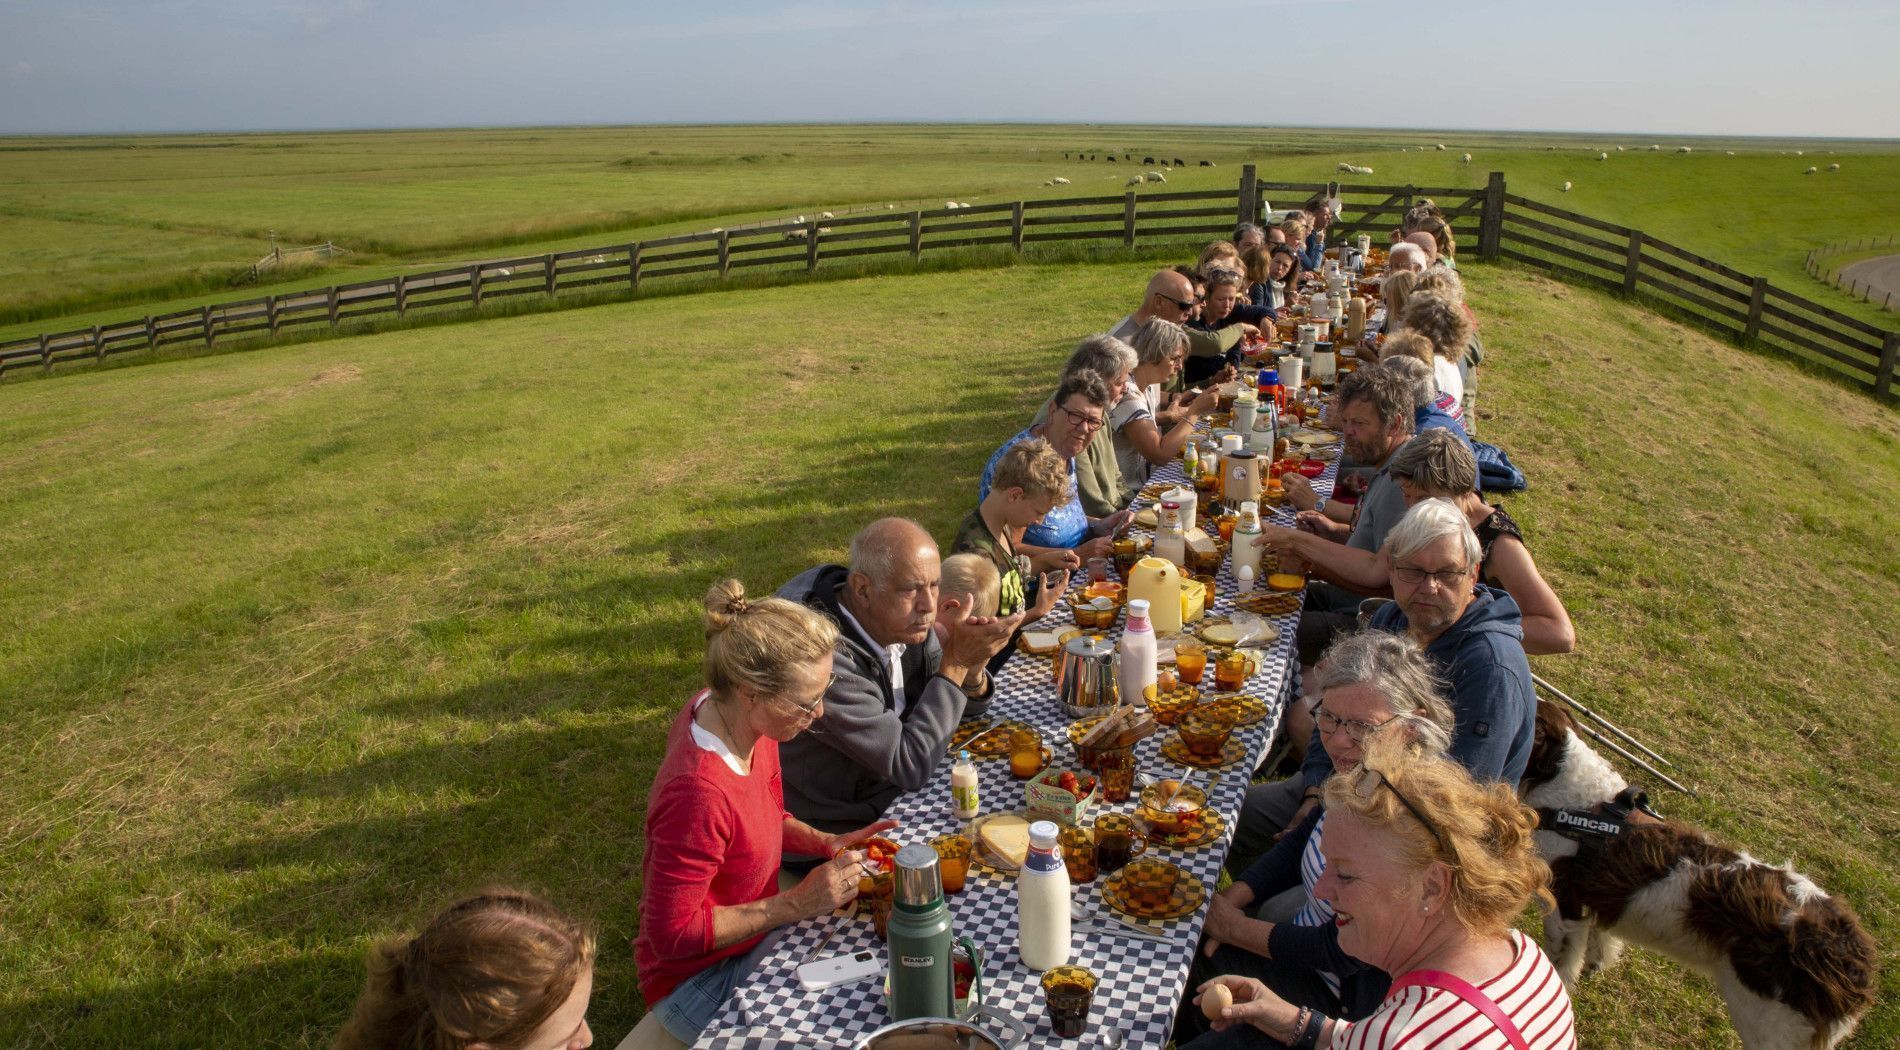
x=1002, y=840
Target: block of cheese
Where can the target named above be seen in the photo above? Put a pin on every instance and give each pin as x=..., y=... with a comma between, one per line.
x=1007, y=836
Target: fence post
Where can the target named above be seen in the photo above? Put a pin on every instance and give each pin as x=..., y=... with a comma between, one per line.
x=811, y=246
x=1128, y=219
x=547, y=269
x=1632, y=260
x=205, y=319
x=474, y=289
x=151, y=333
x=46, y=354
x=633, y=266
x=402, y=294
x=725, y=252
x=270, y=309
x=1016, y=226
x=1756, y=292
x=1249, y=194
x=916, y=235
x=1491, y=219
x=332, y=304
x=1883, y=379
x=98, y=348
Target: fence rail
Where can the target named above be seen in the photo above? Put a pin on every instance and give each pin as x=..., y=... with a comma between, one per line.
x=1501, y=225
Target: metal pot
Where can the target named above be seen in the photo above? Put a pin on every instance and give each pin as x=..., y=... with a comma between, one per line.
x=1086, y=676
x=984, y=1029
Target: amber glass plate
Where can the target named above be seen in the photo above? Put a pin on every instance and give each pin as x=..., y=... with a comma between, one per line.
x=1176, y=751
x=995, y=745
x=1187, y=897
x=1241, y=710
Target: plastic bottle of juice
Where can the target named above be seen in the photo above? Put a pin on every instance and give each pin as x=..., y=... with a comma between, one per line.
x=964, y=802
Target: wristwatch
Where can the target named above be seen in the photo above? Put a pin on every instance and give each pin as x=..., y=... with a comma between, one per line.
x=1319, y=507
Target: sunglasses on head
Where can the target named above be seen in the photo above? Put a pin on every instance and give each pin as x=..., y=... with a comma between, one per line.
x=1368, y=783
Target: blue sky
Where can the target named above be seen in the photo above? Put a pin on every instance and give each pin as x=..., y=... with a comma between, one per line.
x=1695, y=67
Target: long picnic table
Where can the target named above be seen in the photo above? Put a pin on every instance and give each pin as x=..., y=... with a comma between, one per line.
x=1140, y=981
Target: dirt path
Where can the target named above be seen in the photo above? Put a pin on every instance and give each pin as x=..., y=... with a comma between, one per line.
x=1881, y=274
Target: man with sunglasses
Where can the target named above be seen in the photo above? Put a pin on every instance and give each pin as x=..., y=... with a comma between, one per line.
x=897, y=693
x=1170, y=296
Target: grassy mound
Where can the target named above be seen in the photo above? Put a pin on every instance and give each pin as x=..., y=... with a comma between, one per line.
x=301, y=642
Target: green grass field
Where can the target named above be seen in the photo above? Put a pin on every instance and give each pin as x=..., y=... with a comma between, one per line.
x=303, y=641
x=104, y=228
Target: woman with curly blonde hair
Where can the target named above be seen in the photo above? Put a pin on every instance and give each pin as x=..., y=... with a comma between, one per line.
x=501, y=969
x=1426, y=869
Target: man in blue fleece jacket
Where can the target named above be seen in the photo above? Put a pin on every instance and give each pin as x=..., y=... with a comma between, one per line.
x=1473, y=636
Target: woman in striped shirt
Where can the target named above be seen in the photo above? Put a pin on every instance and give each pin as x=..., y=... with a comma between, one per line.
x=1425, y=871
x=1370, y=684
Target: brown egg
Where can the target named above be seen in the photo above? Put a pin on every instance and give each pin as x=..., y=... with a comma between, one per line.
x=1216, y=999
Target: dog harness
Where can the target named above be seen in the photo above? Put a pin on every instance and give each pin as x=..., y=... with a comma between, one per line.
x=1598, y=825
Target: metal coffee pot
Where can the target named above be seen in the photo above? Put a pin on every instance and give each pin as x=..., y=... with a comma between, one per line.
x=1086, y=675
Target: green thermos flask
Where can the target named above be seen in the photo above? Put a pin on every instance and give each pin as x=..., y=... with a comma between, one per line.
x=923, y=975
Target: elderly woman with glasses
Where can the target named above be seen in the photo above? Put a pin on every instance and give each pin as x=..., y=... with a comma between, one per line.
x=716, y=825
x=1371, y=686
x=1426, y=870
x=1072, y=423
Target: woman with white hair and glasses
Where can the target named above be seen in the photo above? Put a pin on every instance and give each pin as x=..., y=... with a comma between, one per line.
x=1140, y=444
x=1436, y=465
x=1371, y=685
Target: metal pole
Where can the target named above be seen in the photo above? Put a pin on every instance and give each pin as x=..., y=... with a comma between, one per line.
x=1606, y=723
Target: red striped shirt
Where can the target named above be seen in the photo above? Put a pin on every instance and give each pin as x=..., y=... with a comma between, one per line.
x=1422, y=1018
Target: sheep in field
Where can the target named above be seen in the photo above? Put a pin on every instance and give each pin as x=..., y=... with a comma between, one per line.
x=1566, y=187
x=1810, y=171
x=1178, y=162
x=1061, y=182
x=1440, y=146
x=950, y=205
x=1833, y=167
x=1466, y=159
x=826, y=215
x=1683, y=149
x=1155, y=176
x=1134, y=180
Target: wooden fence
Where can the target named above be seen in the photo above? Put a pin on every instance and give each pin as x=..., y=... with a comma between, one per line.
x=1820, y=266
x=1499, y=224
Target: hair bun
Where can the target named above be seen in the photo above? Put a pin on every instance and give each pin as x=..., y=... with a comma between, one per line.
x=725, y=601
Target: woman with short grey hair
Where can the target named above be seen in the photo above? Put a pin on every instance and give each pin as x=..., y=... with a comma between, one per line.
x=1371, y=685
x=1137, y=421
x=1435, y=467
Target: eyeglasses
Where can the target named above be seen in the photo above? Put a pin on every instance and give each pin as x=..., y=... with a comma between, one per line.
x=1356, y=730
x=805, y=709
x=1233, y=275
x=1183, y=305
x=1368, y=785
x=1412, y=576
x=1086, y=422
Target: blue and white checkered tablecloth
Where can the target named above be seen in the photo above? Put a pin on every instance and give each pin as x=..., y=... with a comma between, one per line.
x=1140, y=981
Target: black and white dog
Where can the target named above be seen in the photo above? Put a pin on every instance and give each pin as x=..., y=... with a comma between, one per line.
x=1794, y=965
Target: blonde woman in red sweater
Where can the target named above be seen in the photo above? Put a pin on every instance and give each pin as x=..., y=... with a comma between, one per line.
x=716, y=824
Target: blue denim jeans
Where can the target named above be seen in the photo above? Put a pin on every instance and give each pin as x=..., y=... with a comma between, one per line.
x=692, y=1005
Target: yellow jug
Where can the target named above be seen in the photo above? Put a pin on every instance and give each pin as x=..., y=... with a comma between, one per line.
x=1158, y=582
